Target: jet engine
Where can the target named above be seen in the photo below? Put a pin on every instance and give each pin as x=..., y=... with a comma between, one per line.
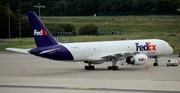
x=139, y=59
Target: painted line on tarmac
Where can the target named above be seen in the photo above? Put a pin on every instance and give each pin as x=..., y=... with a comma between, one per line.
x=88, y=89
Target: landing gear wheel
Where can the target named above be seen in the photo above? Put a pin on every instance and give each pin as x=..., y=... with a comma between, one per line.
x=89, y=67
x=156, y=61
x=86, y=67
x=155, y=64
x=117, y=68
x=109, y=68
x=113, y=68
x=92, y=67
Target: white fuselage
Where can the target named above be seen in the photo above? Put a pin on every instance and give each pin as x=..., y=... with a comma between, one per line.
x=96, y=50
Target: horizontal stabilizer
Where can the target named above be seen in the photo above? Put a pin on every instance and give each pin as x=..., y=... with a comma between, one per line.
x=49, y=51
x=18, y=50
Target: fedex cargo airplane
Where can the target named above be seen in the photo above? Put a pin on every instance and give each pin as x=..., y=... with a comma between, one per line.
x=135, y=52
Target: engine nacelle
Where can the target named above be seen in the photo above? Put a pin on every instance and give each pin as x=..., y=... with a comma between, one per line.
x=139, y=59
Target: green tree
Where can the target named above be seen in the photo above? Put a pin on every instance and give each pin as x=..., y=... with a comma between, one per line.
x=25, y=28
x=66, y=28
x=4, y=25
x=89, y=29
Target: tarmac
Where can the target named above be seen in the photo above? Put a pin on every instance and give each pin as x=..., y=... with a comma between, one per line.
x=23, y=73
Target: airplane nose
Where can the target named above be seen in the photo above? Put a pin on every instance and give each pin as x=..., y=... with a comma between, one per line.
x=171, y=50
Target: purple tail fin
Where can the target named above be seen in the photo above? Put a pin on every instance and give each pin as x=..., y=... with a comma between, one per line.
x=41, y=34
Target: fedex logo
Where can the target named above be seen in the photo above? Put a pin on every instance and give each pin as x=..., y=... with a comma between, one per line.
x=147, y=47
x=40, y=33
x=142, y=59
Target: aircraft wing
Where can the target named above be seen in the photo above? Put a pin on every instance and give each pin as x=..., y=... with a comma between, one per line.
x=105, y=56
x=19, y=50
x=122, y=54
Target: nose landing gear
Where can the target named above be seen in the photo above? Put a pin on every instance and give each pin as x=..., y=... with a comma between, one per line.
x=156, y=61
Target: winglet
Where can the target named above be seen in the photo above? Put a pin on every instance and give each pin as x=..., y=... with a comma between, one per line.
x=41, y=34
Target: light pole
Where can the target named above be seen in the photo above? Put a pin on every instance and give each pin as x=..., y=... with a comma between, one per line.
x=39, y=6
x=19, y=24
x=9, y=23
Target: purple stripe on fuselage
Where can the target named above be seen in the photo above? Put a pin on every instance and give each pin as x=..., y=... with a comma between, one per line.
x=60, y=52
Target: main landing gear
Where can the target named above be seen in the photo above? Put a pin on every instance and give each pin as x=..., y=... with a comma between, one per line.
x=113, y=67
x=156, y=61
x=89, y=67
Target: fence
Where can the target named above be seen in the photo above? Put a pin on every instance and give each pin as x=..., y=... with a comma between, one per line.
x=62, y=37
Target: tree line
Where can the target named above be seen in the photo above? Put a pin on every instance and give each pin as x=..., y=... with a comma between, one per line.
x=79, y=8
x=99, y=7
